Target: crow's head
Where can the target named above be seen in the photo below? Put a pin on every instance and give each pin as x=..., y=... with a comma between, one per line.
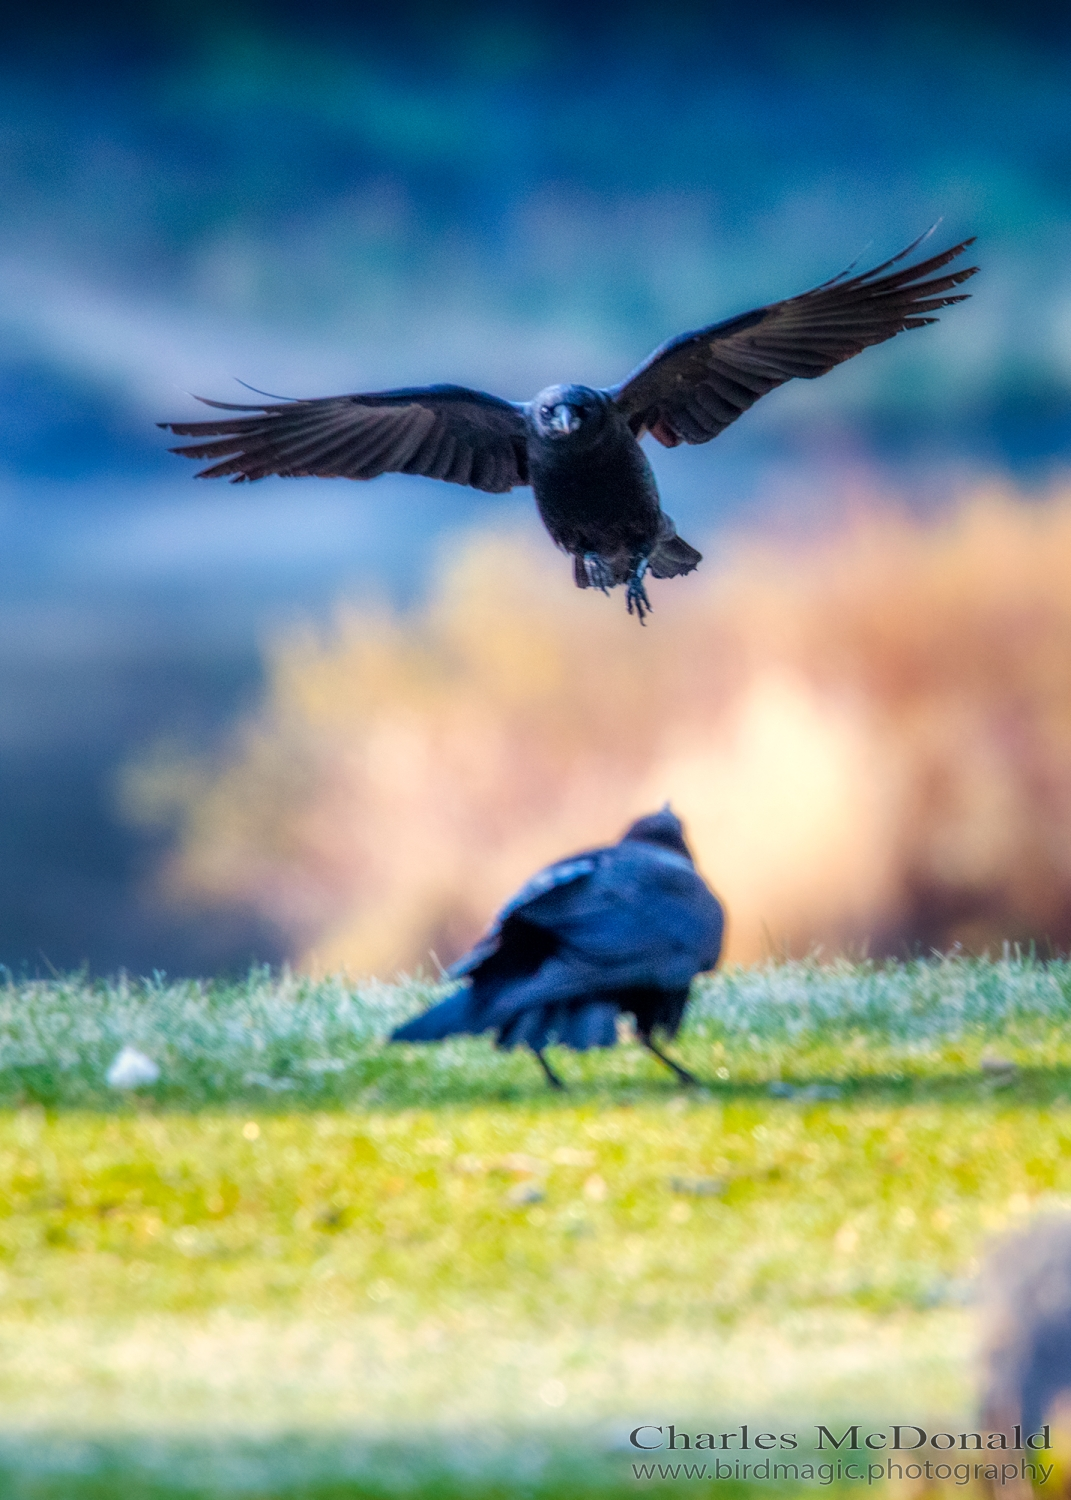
x=662, y=827
x=565, y=411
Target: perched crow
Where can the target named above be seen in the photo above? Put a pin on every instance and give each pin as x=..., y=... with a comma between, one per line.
x=578, y=448
x=1026, y=1301
x=620, y=929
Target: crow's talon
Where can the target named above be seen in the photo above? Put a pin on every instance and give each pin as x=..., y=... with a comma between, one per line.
x=636, y=595
x=598, y=573
x=637, y=601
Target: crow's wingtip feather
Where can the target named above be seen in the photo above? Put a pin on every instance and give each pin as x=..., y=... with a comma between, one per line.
x=227, y=405
x=258, y=392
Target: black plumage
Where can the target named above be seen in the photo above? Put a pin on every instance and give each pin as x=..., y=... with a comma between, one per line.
x=578, y=447
x=620, y=929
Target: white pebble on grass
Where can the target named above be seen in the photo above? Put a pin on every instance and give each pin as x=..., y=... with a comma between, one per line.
x=131, y=1069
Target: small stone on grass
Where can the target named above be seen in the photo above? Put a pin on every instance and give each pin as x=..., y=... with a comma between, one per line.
x=131, y=1069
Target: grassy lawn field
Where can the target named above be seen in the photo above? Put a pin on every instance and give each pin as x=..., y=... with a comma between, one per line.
x=302, y=1263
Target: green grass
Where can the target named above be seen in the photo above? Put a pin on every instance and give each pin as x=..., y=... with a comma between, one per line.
x=304, y=1263
x=662, y=1213
x=290, y=1043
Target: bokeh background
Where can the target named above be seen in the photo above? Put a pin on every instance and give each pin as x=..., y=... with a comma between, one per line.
x=336, y=724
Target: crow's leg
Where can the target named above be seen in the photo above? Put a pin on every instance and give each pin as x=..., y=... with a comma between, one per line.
x=682, y=1073
x=636, y=595
x=598, y=572
x=552, y=1077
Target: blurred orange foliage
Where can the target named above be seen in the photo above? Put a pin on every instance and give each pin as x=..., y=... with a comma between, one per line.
x=868, y=737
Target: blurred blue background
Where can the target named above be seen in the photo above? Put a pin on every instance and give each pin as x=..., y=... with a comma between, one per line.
x=320, y=200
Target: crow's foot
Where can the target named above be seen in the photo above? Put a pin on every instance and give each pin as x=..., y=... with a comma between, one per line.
x=683, y=1075
x=636, y=595
x=598, y=573
x=552, y=1077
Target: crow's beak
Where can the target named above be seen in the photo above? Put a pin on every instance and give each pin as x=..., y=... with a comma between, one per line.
x=564, y=419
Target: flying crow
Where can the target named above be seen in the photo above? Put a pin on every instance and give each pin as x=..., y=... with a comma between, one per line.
x=576, y=446
x=624, y=928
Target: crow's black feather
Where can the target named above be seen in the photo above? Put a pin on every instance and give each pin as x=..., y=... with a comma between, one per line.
x=578, y=447
x=620, y=929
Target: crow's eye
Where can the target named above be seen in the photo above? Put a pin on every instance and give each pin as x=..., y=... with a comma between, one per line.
x=544, y=412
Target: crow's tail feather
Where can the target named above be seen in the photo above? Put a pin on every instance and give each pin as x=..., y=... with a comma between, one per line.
x=672, y=557
x=456, y=1014
x=577, y=1024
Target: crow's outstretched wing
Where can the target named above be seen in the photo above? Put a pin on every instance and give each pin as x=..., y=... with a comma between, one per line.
x=442, y=431
x=695, y=385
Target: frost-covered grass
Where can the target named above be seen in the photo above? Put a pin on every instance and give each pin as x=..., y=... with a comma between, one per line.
x=927, y=1000
x=302, y=1243
x=287, y=1041
x=265, y=1036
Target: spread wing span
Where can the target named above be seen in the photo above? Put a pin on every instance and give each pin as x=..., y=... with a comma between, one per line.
x=442, y=431
x=695, y=385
